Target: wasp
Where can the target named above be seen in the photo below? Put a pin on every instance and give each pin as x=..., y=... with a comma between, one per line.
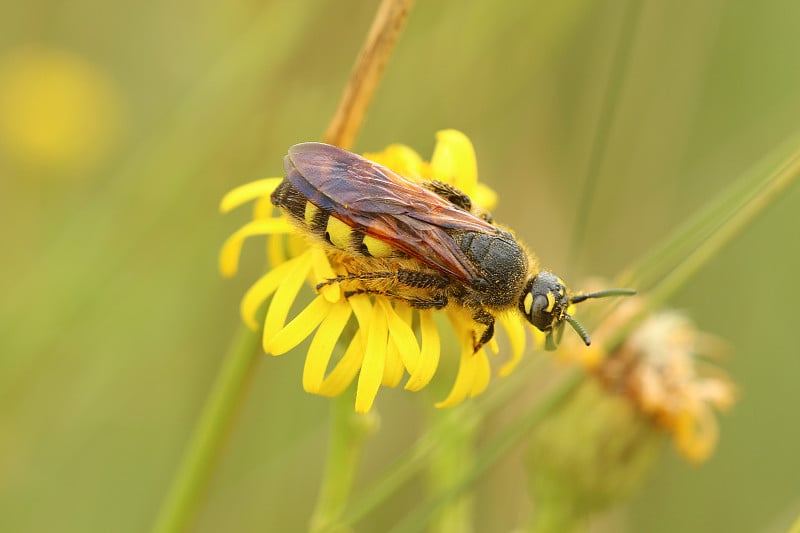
x=420, y=243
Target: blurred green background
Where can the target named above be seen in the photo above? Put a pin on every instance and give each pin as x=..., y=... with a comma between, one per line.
x=123, y=124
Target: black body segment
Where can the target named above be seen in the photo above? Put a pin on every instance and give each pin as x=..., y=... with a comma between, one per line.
x=502, y=266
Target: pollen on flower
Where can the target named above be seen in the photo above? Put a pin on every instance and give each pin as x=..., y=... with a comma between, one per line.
x=370, y=338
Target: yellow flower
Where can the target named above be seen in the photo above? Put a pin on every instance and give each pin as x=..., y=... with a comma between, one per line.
x=381, y=343
x=663, y=369
x=57, y=110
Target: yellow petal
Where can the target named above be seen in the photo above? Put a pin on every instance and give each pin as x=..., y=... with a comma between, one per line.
x=263, y=208
x=484, y=196
x=393, y=369
x=321, y=349
x=453, y=160
x=464, y=379
x=322, y=271
x=345, y=370
x=260, y=291
x=299, y=327
x=232, y=249
x=248, y=191
x=348, y=366
x=284, y=297
x=402, y=337
x=516, y=336
x=483, y=373
x=696, y=434
x=400, y=158
x=297, y=244
x=276, y=251
x=369, y=380
x=422, y=374
x=362, y=307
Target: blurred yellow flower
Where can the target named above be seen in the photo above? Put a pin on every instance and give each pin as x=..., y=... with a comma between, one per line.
x=663, y=368
x=602, y=442
x=57, y=110
x=381, y=345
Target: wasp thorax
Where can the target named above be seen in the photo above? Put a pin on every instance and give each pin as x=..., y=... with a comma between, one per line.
x=544, y=302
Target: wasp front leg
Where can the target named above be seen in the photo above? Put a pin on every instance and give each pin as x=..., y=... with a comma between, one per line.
x=485, y=318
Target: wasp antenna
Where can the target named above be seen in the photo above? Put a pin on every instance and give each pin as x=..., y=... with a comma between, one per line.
x=578, y=298
x=578, y=329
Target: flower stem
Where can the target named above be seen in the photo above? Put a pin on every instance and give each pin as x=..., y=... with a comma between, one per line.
x=490, y=454
x=774, y=185
x=605, y=123
x=445, y=464
x=367, y=72
x=349, y=431
x=414, y=460
x=209, y=434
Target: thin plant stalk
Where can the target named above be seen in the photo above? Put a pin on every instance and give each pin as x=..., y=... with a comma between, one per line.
x=349, y=431
x=216, y=420
x=605, y=123
x=766, y=191
x=490, y=455
x=651, y=267
x=415, y=459
x=445, y=464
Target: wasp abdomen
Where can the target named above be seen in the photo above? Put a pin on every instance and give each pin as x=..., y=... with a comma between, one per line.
x=323, y=225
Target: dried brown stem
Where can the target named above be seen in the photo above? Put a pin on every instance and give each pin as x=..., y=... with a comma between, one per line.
x=366, y=73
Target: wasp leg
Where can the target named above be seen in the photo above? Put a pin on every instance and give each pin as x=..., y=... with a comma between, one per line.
x=457, y=198
x=417, y=303
x=485, y=318
x=351, y=277
x=450, y=193
x=409, y=278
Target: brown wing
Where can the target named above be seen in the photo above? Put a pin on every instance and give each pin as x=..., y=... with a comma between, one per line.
x=381, y=203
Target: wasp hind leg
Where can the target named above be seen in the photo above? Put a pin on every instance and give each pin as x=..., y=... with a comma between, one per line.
x=409, y=278
x=416, y=303
x=357, y=277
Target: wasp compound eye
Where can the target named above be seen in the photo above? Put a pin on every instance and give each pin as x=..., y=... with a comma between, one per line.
x=540, y=314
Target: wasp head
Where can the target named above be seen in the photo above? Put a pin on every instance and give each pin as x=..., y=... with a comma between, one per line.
x=545, y=302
